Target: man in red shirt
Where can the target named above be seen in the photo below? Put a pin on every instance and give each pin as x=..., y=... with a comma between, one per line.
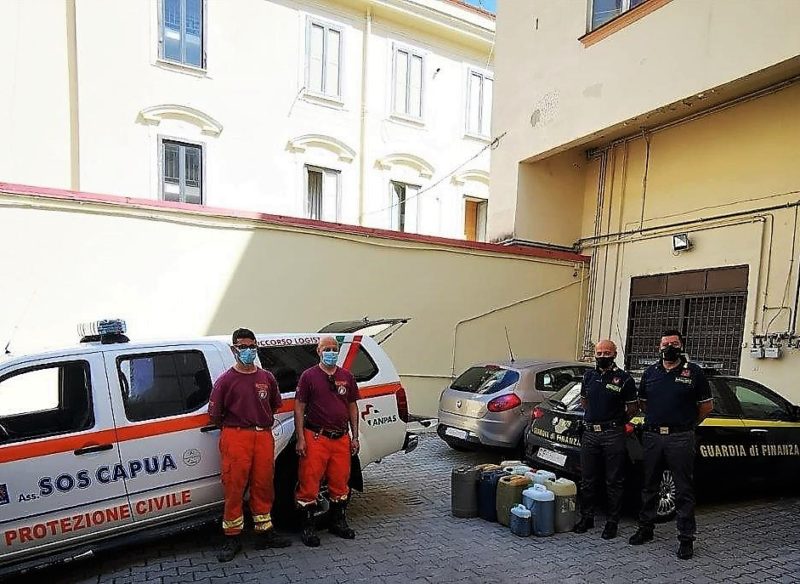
x=243, y=402
x=325, y=403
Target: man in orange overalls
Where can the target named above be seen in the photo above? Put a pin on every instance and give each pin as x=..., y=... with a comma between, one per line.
x=325, y=403
x=243, y=402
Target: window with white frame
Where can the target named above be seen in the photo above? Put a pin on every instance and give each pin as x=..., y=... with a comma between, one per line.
x=181, y=172
x=475, y=219
x=479, y=103
x=322, y=193
x=604, y=10
x=408, y=70
x=323, y=59
x=182, y=32
x=403, y=206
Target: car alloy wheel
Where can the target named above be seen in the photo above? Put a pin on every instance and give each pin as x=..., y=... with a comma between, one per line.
x=666, y=496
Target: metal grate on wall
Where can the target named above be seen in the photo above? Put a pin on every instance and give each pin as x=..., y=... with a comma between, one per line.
x=707, y=306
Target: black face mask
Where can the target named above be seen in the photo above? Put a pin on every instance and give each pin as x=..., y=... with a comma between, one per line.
x=671, y=354
x=604, y=362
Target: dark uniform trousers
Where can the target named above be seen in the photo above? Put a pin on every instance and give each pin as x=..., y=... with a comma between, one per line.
x=606, y=448
x=675, y=452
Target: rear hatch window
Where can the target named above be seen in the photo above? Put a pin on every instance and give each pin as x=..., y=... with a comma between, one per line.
x=568, y=398
x=485, y=379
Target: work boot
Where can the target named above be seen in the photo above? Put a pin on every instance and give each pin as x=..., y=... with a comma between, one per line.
x=642, y=535
x=610, y=530
x=309, y=535
x=686, y=550
x=271, y=539
x=584, y=525
x=339, y=520
x=231, y=547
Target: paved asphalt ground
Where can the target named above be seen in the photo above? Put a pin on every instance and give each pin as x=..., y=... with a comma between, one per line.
x=407, y=535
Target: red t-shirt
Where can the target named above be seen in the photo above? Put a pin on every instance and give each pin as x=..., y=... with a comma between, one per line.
x=327, y=400
x=244, y=400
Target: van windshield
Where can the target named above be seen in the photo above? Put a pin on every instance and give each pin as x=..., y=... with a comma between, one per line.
x=485, y=379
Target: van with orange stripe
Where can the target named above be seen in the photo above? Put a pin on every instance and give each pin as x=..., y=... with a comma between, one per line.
x=110, y=441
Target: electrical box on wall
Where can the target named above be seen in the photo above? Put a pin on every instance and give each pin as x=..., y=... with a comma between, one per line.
x=757, y=352
x=772, y=352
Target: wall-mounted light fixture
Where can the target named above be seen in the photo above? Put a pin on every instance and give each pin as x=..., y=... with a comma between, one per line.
x=680, y=242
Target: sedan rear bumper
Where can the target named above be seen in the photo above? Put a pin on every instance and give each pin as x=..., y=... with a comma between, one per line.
x=485, y=431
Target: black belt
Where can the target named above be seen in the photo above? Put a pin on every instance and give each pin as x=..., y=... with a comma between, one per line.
x=601, y=426
x=332, y=434
x=657, y=429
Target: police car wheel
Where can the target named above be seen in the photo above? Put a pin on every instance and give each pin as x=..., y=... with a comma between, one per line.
x=665, y=509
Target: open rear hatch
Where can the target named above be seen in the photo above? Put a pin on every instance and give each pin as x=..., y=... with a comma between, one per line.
x=379, y=329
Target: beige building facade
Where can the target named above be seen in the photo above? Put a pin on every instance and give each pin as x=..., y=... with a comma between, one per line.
x=365, y=112
x=661, y=138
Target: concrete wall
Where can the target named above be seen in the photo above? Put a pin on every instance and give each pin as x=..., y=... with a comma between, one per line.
x=554, y=93
x=174, y=273
x=255, y=89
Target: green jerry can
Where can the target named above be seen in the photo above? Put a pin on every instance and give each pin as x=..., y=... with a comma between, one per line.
x=464, y=491
x=509, y=494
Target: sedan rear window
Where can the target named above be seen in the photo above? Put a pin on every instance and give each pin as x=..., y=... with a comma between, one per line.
x=568, y=398
x=485, y=379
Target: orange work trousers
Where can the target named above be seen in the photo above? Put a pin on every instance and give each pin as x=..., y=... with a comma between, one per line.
x=248, y=457
x=328, y=458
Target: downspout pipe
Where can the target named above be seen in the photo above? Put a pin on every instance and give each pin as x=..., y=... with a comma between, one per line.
x=362, y=156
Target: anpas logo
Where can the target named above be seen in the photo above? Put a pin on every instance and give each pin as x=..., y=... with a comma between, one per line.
x=65, y=482
x=373, y=417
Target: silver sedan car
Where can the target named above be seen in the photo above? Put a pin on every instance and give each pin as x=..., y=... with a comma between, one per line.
x=490, y=404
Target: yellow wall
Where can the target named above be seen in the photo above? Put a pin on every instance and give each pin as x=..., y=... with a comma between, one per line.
x=176, y=274
x=553, y=93
x=741, y=158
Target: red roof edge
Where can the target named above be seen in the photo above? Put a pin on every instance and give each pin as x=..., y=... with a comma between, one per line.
x=206, y=211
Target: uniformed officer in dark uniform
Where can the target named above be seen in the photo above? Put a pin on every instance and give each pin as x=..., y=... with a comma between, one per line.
x=676, y=397
x=608, y=397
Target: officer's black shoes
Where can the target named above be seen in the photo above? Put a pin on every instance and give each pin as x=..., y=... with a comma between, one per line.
x=686, y=550
x=230, y=548
x=339, y=521
x=585, y=524
x=309, y=535
x=642, y=535
x=610, y=530
x=270, y=539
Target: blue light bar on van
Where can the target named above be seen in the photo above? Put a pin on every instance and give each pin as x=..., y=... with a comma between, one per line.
x=100, y=328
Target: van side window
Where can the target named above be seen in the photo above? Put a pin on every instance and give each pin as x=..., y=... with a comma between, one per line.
x=157, y=385
x=363, y=367
x=45, y=401
x=288, y=363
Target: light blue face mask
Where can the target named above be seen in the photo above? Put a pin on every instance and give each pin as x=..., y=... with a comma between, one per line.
x=329, y=358
x=247, y=356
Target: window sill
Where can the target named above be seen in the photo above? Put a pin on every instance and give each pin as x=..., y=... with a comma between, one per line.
x=477, y=137
x=323, y=100
x=407, y=120
x=181, y=68
x=623, y=20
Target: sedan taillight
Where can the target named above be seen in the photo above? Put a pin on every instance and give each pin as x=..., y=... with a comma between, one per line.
x=504, y=403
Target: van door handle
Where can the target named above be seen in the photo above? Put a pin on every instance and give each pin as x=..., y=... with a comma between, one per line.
x=758, y=430
x=209, y=428
x=91, y=449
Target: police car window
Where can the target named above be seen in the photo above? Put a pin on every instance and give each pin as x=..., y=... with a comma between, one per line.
x=485, y=380
x=45, y=401
x=157, y=385
x=724, y=404
x=756, y=403
x=568, y=398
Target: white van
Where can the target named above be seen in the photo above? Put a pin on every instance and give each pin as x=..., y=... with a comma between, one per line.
x=110, y=441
